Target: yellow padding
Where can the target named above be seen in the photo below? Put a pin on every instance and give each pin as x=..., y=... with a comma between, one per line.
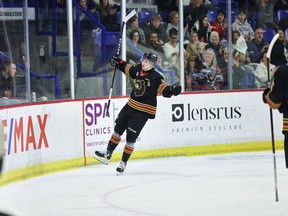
x=47, y=168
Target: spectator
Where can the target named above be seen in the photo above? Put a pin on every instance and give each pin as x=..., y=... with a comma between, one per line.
x=174, y=23
x=171, y=48
x=7, y=85
x=280, y=46
x=134, y=25
x=209, y=77
x=238, y=72
x=203, y=27
x=223, y=66
x=155, y=26
x=171, y=51
x=104, y=7
x=85, y=22
x=193, y=11
x=257, y=46
x=219, y=25
x=192, y=51
x=155, y=44
x=135, y=38
x=111, y=20
x=199, y=58
x=261, y=75
x=215, y=45
x=266, y=14
x=173, y=17
x=240, y=49
x=242, y=25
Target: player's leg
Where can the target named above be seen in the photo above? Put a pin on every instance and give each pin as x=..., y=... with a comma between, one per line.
x=135, y=126
x=121, y=125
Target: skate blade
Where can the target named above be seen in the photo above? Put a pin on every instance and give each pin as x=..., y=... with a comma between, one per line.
x=120, y=173
x=101, y=160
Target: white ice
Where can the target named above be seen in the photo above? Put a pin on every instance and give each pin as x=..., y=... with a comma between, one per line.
x=239, y=184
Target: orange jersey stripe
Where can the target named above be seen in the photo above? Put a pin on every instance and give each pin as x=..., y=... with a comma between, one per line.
x=142, y=107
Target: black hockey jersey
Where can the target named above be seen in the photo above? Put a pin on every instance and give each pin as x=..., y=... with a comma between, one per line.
x=277, y=97
x=147, y=85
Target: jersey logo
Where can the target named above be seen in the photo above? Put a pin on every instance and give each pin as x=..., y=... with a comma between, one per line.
x=139, y=88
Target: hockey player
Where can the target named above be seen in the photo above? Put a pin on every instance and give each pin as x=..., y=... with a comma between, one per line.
x=277, y=98
x=140, y=107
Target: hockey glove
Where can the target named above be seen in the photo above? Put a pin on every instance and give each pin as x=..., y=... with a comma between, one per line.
x=115, y=61
x=175, y=89
x=265, y=92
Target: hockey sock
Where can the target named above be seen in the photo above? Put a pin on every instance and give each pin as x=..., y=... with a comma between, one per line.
x=113, y=142
x=128, y=150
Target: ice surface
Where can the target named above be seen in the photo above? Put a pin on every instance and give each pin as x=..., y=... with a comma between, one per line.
x=230, y=184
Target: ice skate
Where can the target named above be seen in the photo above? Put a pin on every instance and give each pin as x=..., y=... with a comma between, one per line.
x=103, y=156
x=121, y=168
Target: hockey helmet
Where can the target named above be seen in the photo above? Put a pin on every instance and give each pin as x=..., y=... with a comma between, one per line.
x=152, y=57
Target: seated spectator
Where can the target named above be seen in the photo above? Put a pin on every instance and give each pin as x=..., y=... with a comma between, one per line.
x=240, y=49
x=199, y=58
x=173, y=17
x=134, y=25
x=171, y=51
x=203, y=28
x=265, y=11
x=215, y=45
x=171, y=48
x=193, y=11
x=155, y=26
x=155, y=44
x=192, y=51
x=257, y=46
x=280, y=46
x=242, y=25
x=219, y=25
x=238, y=73
x=261, y=71
x=135, y=38
x=111, y=20
x=7, y=84
x=104, y=7
x=85, y=22
x=209, y=77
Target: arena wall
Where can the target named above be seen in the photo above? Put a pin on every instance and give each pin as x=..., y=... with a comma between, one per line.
x=45, y=137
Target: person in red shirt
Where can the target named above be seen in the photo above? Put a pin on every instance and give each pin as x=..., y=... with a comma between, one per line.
x=219, y=24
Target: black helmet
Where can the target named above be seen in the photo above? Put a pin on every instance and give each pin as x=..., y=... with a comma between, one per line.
x=152, y=57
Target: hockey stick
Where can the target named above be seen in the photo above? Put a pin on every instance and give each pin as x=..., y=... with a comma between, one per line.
x=271, y=116
x=128, y=17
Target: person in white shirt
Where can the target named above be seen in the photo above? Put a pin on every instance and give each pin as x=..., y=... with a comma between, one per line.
x=261, y=76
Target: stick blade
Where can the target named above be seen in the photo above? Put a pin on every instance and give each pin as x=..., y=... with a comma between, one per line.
x=271, y=45
x=131, y=14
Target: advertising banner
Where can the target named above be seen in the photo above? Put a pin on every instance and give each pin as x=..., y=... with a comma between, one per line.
x=41, y=133
x=37, y=134
x=189, y=120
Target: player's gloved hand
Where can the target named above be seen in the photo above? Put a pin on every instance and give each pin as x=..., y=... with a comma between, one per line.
x=265, y=92
x=175, y=89
x=115, y=61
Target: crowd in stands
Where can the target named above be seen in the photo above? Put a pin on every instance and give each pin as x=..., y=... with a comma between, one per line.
x=205, y=40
